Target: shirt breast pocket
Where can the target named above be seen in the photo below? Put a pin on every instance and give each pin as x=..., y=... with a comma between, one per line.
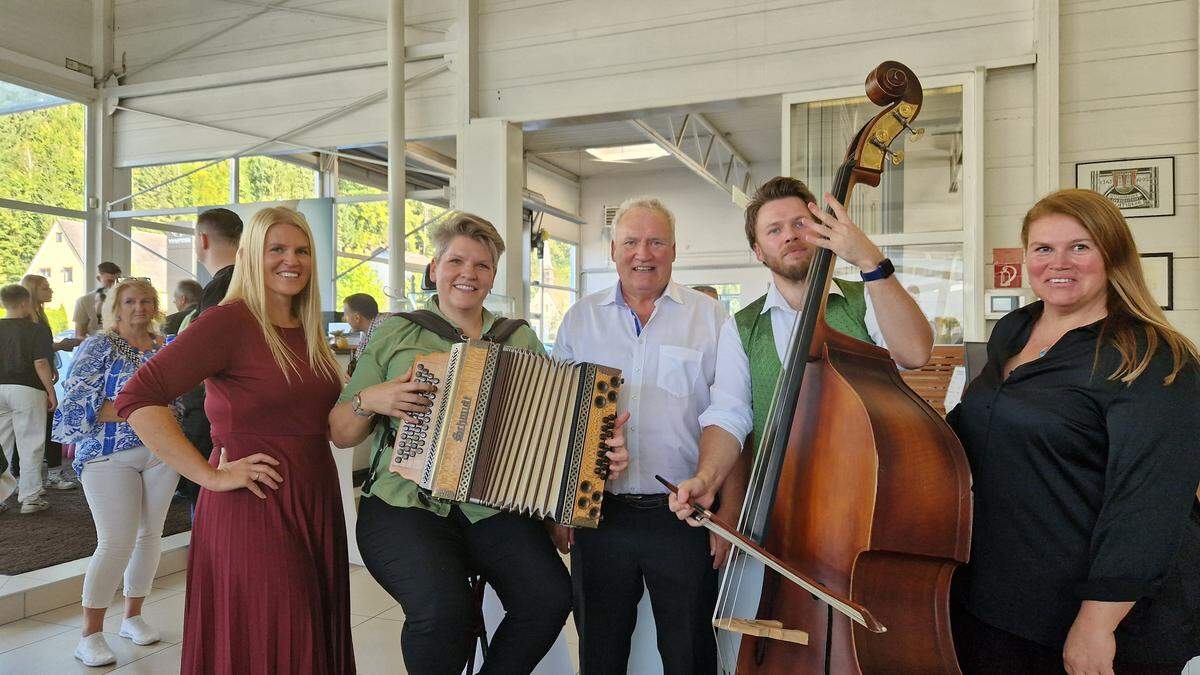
x=678, y=369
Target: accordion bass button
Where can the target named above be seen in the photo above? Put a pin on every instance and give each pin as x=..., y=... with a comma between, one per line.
x=593, y=512
x=585, y=486
x=583, y=502
x=597, y=496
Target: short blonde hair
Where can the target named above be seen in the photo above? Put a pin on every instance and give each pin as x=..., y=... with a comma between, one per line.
x=112, y=300
x=464, y=224
x=652, y=204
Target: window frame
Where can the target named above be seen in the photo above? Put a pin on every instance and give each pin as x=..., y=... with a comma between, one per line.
x=971, y=236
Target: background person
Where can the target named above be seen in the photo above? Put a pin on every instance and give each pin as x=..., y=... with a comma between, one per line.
x=26, y=394
x=218, y=233
x=186, y=298
x=361, y=311
x=41, y=292
x=128, y=489
x=87, y=316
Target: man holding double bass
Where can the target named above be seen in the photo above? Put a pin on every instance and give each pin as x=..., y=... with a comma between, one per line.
x=784, y=224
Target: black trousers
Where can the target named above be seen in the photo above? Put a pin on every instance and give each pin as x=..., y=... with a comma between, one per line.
x=424, y=561
x=986, y=650
x=642, y=541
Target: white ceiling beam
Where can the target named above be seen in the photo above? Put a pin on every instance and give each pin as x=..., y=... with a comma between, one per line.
x=376, y=59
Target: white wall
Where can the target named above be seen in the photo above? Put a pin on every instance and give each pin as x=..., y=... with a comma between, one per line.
x=559, y=193
x=1128, y=89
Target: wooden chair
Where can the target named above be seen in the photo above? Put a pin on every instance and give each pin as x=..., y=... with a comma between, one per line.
x=931, y=381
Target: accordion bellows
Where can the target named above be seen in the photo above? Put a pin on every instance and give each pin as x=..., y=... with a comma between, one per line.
x=513, y=430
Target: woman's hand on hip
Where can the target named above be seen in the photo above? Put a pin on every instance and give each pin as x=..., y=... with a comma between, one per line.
x=246, y=472
x=398, y=397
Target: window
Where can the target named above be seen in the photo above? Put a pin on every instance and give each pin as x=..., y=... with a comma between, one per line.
x=68, y=273
x=42, y=165
x=920, y=215
x=362, y=262
x=267, y=179
x=555, y=287
x=166, y=258
x=41, y=149
x=207, y=187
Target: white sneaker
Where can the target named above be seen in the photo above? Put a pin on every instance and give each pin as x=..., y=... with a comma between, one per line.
x=93, y=650
x=58, y=482
x=135, y=628
x=34, y=505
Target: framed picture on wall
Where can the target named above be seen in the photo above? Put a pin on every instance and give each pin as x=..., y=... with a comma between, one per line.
x=1141, y=188
x=1159, y=269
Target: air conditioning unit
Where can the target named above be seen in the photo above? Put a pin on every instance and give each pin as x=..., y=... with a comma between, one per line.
x=610, y=213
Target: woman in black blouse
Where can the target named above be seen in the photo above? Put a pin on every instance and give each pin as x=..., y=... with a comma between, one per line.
x=1083, y=434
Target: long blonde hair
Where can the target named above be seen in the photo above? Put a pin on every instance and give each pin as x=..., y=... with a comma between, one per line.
x=112, y=302
x=33, y=283
x=1132, y=310
x=249, y=286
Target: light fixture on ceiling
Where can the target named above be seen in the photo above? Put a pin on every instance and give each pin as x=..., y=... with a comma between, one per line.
x=627, y=153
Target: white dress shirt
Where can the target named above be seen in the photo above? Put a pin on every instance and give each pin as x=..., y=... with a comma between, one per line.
x=668, y=368
x=732, y=404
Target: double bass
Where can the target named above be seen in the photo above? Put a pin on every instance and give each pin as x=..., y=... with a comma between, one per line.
x=859, y=499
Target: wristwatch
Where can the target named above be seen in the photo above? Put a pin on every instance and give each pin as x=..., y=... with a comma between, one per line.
x=885, y=270
x=356, y=407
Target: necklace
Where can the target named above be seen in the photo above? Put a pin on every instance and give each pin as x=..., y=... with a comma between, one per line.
x=127, y=351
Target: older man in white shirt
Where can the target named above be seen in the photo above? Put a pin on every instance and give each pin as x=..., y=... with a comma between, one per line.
x=663, y=337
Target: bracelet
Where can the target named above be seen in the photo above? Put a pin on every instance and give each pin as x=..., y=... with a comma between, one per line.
x=356, y=407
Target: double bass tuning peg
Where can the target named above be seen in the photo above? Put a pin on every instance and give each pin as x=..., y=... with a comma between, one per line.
x=917, y=134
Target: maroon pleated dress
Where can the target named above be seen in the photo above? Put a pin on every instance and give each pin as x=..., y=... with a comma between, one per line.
x=268, y=587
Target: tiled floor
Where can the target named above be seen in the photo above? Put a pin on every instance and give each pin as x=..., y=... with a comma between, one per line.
x=44, y=643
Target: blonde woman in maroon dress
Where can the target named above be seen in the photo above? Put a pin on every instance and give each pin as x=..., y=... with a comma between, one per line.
x=268, y=578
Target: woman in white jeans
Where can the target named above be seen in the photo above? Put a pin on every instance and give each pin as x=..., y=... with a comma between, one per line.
x=128, y=489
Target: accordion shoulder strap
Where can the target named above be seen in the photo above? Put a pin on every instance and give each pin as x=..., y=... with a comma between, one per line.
x=502, y=328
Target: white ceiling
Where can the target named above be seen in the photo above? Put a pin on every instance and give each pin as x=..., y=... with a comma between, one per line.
x=752, y=127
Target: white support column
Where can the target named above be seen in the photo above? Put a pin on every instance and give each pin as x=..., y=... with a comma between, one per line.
x=396, y=179
x=491, y=175
x=1046, y=75
x=104, y=181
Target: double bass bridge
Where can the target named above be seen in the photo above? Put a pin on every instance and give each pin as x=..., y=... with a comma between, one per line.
x=766, y=628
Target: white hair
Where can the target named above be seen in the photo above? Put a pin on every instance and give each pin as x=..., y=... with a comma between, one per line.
x=652, y=204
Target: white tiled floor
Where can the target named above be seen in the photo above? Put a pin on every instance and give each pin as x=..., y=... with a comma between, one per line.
x=44, y=643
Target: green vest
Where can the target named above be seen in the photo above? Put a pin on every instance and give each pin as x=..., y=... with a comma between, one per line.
x=845, y=313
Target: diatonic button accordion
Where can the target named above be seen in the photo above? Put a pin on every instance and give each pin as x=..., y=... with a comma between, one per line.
x=513, y=430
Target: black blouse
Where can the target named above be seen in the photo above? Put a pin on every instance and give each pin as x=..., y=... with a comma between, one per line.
x=1085, y=489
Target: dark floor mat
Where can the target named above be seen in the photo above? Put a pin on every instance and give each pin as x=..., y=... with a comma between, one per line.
x=62, y=533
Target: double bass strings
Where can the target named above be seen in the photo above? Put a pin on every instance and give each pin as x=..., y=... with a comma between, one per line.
x=735, y=572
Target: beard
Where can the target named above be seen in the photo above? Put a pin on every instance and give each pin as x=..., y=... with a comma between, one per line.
x=795, y=272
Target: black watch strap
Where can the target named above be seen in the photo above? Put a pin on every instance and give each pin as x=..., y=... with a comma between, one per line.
x=885, y=270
